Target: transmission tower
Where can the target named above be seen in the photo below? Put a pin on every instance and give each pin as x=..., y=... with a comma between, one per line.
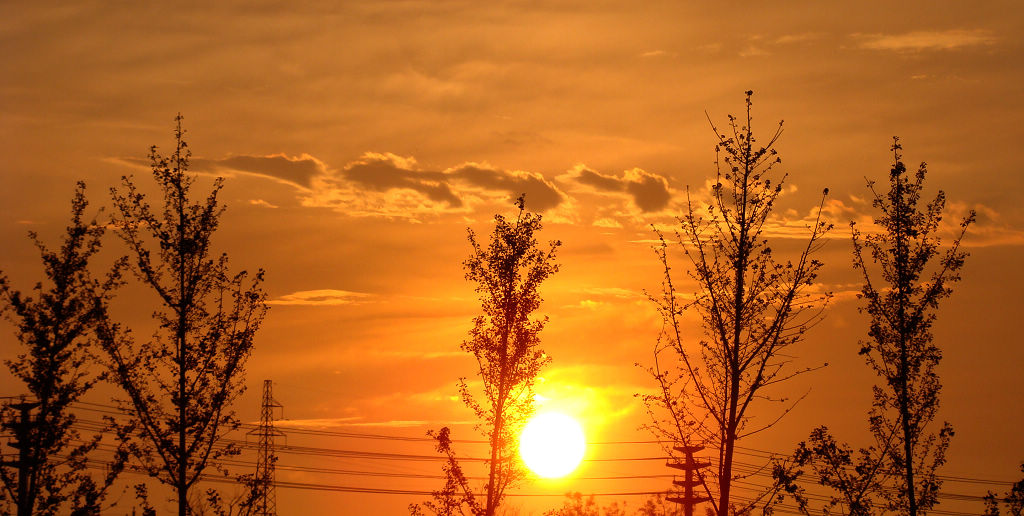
x=688, y=500
x=265, y=503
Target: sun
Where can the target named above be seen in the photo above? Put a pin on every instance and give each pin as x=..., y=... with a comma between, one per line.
x=552, y=444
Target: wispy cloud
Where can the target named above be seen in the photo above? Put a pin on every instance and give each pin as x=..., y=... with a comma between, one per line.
x=918, y=41
x=657, y=53
x=298, y=171
x=324, y=297
x=322, y=423
x=803, y=37
x=400, y=423
x=261, y=203
x=355, y=421
x=607, y=222
x=753, y=51
x=613, y=292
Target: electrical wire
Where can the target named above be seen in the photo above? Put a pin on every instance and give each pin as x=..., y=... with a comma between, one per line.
x=742, y=467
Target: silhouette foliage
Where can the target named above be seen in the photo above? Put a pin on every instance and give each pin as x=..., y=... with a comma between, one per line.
x=901, y=293
x=752, y=309
x=1012, y=500
x=456, y=494
x=181, y=382
x=55, y=327
x=576, y=504
x=505, y=342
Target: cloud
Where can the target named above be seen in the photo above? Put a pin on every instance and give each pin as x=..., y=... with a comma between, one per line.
x=839, y=291
x=541, y=194
x=299, y=171
x=612, y=292
x=383, y=172
x=405, y=189
x=324, y=297
x=926, y=40
x=403, y=423
x=316, y=424
x=336, y=422
x=802, y=37
x=649, y=192
x=586, y=304
x=383, y=184
x=753, y=51
x=989, y=228
x=262, y=203
x=793, y=224
x=658, y=53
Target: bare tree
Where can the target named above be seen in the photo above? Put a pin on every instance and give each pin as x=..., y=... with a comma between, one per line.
x=55, y=328
x=180, y=383
x=898, y=471
x=752, y=308
x=506, y=344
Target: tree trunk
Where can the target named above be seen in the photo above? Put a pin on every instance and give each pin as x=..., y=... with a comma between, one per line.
x=491, y=487
x=183, y=300
x=904, y=400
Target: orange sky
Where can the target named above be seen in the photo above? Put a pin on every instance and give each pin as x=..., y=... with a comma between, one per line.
x=360, y=140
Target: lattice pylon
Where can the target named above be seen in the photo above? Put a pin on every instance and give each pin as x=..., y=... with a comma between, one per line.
x=266, y=498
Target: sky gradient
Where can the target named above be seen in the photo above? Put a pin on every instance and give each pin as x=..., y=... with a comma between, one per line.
x=359, y=140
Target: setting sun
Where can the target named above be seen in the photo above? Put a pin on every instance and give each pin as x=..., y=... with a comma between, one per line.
x=552, y=444
x=401, y=258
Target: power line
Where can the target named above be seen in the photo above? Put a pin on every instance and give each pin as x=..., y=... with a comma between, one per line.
x=753, y=452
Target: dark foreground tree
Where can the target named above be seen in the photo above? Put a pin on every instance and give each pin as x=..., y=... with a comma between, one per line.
x=55, y=326
x=456, y=497
x=180, y=382
x=505, y=341
x=905, y=277
x=577, y=504
x=753, y=308
x=1012, y=500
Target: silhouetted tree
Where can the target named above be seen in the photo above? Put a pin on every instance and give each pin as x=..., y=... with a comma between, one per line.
x=506, y=344
x=504, y=340
x=898, y=472
x=55, y=327
x=456, y=493
x=181, y=382
x=212, y=502
x=1013, y=499
x=752, y=307
x=578, y=505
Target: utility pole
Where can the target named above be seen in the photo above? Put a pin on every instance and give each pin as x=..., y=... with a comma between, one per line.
x=689, y=465
x=265, y=503
x=23, y=443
